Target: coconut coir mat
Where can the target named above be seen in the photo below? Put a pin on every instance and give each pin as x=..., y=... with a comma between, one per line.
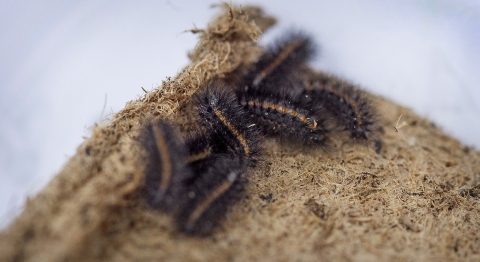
x=415, y=199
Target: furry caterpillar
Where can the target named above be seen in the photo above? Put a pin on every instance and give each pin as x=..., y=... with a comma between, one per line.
x=165, y=170
x=286, y=112
x=211, y=195
x=344, y=100
x=281, y=59
x=223, y=116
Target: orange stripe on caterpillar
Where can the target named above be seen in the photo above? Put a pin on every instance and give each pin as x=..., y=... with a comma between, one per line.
x=192, y=158
x=165, y=158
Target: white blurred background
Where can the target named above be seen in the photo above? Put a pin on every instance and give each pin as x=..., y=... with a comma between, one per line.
x=63, y=62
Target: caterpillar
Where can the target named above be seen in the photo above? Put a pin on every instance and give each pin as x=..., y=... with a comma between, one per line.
x=223, y=116
x=345, y=101
x=165, y=170
x=189, y=179
x=286, y=112
x=212, y=194
x=281, y=59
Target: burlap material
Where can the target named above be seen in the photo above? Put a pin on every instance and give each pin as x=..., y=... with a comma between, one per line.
x=413, y=200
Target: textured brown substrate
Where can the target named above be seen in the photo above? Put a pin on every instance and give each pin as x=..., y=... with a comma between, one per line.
x=413, y=200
